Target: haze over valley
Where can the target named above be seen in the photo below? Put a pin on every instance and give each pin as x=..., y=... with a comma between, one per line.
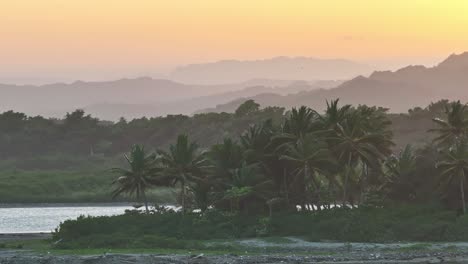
x=305, y=81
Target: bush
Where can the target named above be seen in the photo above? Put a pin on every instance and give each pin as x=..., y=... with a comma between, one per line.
x=174, y=230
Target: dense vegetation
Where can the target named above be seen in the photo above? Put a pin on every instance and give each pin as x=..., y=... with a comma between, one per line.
x=81, y=148
x=172, y=230
x=335, y=171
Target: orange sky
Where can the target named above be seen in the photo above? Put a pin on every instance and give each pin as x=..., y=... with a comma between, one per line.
x=152, y=34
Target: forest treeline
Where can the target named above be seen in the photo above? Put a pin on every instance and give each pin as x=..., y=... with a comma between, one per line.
x=79, y=134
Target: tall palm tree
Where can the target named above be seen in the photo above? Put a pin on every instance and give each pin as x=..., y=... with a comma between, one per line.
x=352, y=146
x=371, y=119
x=300, y=121
x=399, y=175
x=455, y=127
x=311, y=157
x=246, y=182
x=255, y=141
x=183, y=164
x=225, y=157
x=138, y=178
x=455, y=168
x=334, y=115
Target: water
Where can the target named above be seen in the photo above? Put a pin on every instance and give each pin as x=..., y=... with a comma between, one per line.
x=45, y=218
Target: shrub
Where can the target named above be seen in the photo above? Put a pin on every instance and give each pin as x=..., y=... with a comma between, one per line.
x=174, y=230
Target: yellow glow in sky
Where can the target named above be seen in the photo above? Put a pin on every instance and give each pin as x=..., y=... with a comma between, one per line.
x=157, y=33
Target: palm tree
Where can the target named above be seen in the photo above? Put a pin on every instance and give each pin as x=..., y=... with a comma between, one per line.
x=311, y=157
x=299, y=122
x=371, y=119
x=352, y=146
x=455, y=127
x=137, y=179
x=225, y=157
x=183, y=164
x=455, y=167
x=334, y=115
x=399, y=173
x=246, y=182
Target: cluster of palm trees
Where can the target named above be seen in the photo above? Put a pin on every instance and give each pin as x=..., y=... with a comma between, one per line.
x=453, y=140
x=311, y=161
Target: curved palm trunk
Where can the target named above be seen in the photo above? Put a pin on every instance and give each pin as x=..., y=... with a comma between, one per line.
x=462, y=191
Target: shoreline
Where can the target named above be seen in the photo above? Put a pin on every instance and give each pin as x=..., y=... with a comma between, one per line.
x=256, y=251
x=353, y=257
x=74, y=204
x=9, y=237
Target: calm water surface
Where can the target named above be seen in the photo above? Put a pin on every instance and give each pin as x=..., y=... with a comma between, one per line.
x=45, y=218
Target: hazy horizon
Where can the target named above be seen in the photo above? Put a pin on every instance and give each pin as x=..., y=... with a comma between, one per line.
x=56, y=41
x=41, y=77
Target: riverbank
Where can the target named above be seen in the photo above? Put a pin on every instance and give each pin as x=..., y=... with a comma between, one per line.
x=17, y=237
x=266, y=250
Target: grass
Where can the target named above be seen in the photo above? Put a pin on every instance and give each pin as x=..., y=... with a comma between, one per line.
x=65, y=187
x=216, y=247
x=77, y=180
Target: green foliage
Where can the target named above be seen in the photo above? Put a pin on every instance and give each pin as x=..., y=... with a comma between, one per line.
x=88, y=184
x=247, y=108
x=174, y=230
x=136, y=180
x=454, y=127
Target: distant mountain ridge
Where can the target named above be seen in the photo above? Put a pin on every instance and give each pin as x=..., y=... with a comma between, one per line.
x=285, y=68
x=400, y=90
x=189, y=106
x=58, y=97
x=137, y=97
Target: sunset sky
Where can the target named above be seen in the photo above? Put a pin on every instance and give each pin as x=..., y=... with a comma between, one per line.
x=84, y=39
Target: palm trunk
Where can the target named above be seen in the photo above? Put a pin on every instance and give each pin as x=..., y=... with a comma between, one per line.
x=145, y=200
x=183, y=198
x=286, y=189
x=345, y=188
x=462, y=192
x=317, y=190
x=363, y=183
x=306, y=172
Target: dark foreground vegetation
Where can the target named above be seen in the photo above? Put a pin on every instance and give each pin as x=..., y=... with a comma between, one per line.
x=174, y=230
x=326, y=176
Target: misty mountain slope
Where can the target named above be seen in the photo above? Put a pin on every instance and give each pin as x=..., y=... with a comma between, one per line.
x=113, y=111
x=55, y=99
x=286, y=68
x=400, y=90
